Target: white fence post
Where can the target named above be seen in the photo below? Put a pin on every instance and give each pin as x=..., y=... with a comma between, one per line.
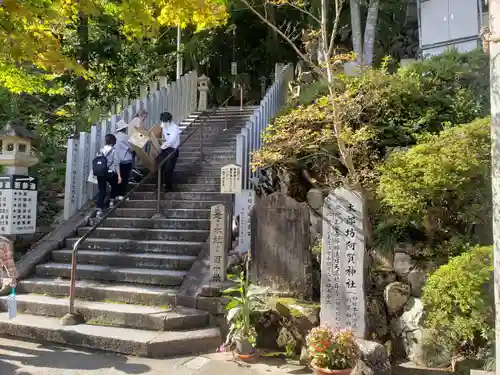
x=70, y=194
x=179, y=98
x=95, y=139
x=82, y=168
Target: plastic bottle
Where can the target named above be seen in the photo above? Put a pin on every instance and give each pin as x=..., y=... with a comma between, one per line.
x=12, y=304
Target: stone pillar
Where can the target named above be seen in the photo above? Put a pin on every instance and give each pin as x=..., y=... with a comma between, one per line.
x=279, y=67
x=203, y=89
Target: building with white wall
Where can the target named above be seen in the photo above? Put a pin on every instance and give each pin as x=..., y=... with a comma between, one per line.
x=450, y=23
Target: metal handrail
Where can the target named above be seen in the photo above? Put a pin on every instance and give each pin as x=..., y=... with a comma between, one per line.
x=71, y=307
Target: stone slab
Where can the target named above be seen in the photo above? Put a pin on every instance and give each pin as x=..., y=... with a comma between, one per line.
x=132, y=275
x=41, y=250
x=183, y=247
x=118, y=314
x=120, y=340
x=93, y=290
x=120, y=258
x=194, y=235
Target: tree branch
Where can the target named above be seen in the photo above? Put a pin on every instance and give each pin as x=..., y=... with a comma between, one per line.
x=285, y=38
x=302, y=10
x=338, y=9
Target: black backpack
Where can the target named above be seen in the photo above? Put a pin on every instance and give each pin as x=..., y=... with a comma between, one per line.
x=100, y=165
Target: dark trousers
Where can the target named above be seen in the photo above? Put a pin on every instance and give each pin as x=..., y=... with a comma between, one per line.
x=102, y=182
x=168, y=167
x=125, y=170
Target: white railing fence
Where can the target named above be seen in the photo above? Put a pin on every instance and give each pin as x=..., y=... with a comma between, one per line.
x=251, y=137
x=179, y=98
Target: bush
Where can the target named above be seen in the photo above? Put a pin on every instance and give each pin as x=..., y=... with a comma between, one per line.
x=458, y=302
x=442, y=186
x=378, y=111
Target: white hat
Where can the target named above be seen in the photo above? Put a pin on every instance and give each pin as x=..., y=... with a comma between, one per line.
x=121, y=125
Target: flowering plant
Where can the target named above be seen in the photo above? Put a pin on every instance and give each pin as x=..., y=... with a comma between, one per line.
x=332, y=350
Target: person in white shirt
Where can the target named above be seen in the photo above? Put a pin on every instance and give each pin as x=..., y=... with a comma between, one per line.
x=170, y=145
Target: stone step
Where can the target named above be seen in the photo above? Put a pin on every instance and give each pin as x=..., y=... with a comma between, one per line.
x=170, y=204
x=93, y=290
x=128, y=341
x=129, y=260
x=129, y=275
x=116, y=314
x=185, y=179
x=148, y=223
x=209, y=163
x=208, y=150
x=179, y=213
x=219, y=162
x=213, y=126
x=181, y=195
x=147, y=187
x=148, y=234
x=167, y=247
x=204, y=169
x=193, y=153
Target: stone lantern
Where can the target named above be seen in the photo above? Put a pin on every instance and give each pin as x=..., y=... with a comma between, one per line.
x=203, y=88
x=18, y=190
x=15, y=150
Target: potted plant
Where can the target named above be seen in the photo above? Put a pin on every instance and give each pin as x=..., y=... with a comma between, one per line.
x=244, y=299
x=332, y=352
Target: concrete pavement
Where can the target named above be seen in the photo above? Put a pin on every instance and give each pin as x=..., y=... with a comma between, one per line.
x=30, y=358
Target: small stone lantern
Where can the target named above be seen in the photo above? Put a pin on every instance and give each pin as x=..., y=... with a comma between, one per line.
x=203, y=88
x=18, y=190
x=15, y=150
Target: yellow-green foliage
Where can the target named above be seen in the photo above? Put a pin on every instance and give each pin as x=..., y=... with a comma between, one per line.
x=443, y=183
x=378, y=111
x=458, y=302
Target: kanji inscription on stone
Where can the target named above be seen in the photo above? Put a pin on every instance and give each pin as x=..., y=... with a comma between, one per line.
x=218, y=248
x=230, y=179
x=342, y=293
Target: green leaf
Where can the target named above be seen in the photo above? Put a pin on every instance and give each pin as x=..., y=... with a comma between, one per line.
x=232, y=304
x=234, y=313
x=255, y=290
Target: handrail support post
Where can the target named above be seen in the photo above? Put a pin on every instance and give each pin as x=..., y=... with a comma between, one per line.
x=158, y=215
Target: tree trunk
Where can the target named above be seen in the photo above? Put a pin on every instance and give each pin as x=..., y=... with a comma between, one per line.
x=325, y=58
x=81, y=82
x=357, y=41
x=370, y=31
x=495, y=161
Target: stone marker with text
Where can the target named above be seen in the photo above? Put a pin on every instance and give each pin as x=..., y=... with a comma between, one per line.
x=230, y=179
x=342, y=293
x=218, y=248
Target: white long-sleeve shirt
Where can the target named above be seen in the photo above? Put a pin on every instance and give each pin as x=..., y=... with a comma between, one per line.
x=171, y=135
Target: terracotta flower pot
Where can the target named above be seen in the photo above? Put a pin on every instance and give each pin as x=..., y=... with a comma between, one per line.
x=249, y=358
x=324, y=371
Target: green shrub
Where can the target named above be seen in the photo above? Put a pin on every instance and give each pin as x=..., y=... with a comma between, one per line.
x=441, y=186
x=458, y=302
x=378, y=111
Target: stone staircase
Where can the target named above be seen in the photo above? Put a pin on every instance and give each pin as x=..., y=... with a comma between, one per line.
x=131, y=268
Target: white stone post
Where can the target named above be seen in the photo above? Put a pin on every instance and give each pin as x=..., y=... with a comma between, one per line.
x=70, y=190
x=83, y=165
x=203, y=89
x=277, y=71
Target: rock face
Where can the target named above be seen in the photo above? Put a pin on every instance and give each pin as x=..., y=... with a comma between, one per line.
x=373, y=359
x=403, y=264
x=417, y=278
x=396, y=295
x=376, y=317
x=411, y=325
